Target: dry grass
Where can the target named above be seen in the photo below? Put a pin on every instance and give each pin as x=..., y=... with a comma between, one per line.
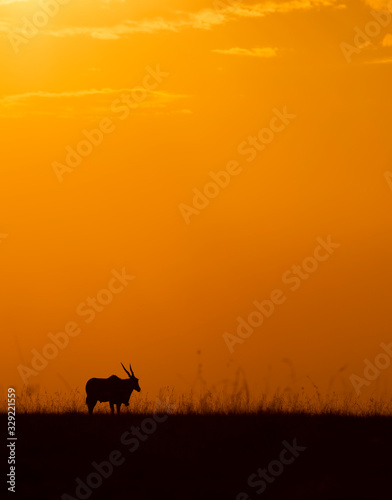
x=229, y=397
x=207, y=402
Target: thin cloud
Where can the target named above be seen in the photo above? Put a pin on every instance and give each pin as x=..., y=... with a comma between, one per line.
x=7, y=2
x=86, y=102
x=266, y=52
x=205, y=19
x=379, y=4
x=387, y=60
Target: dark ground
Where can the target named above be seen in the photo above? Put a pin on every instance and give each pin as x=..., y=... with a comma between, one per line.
x=204, y=457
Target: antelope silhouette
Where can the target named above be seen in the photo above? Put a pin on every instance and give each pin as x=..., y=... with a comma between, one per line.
x=113, y=389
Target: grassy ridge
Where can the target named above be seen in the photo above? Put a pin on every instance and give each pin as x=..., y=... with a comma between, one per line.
x=205, y=446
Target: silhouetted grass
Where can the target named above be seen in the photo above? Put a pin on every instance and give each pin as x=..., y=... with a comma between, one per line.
x=208, y=402
x=211, y=441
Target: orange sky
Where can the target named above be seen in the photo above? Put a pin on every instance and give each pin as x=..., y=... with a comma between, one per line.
x=223, y=73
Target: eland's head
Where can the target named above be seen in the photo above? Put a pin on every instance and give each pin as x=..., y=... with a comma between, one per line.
x=134, y=382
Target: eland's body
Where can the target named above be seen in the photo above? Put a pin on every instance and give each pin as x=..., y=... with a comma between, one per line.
x=114, y=390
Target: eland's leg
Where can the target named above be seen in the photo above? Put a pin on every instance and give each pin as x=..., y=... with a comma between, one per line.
x=112, y=407
x=90, y=403
x=118, y=408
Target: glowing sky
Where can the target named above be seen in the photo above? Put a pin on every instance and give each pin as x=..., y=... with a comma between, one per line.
x=171, y=92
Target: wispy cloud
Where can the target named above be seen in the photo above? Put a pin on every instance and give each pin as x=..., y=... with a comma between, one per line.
x=85, y=102
x=205, y=19
x=386, y=60
x=378, y=4
x=274, y=7
x=202, y=20
x=7, y=2
x=265, y=52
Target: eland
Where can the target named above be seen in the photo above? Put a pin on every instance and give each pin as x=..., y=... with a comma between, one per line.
x=114, y=390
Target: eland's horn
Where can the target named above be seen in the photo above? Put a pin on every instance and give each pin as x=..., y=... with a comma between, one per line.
x=129, y=375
